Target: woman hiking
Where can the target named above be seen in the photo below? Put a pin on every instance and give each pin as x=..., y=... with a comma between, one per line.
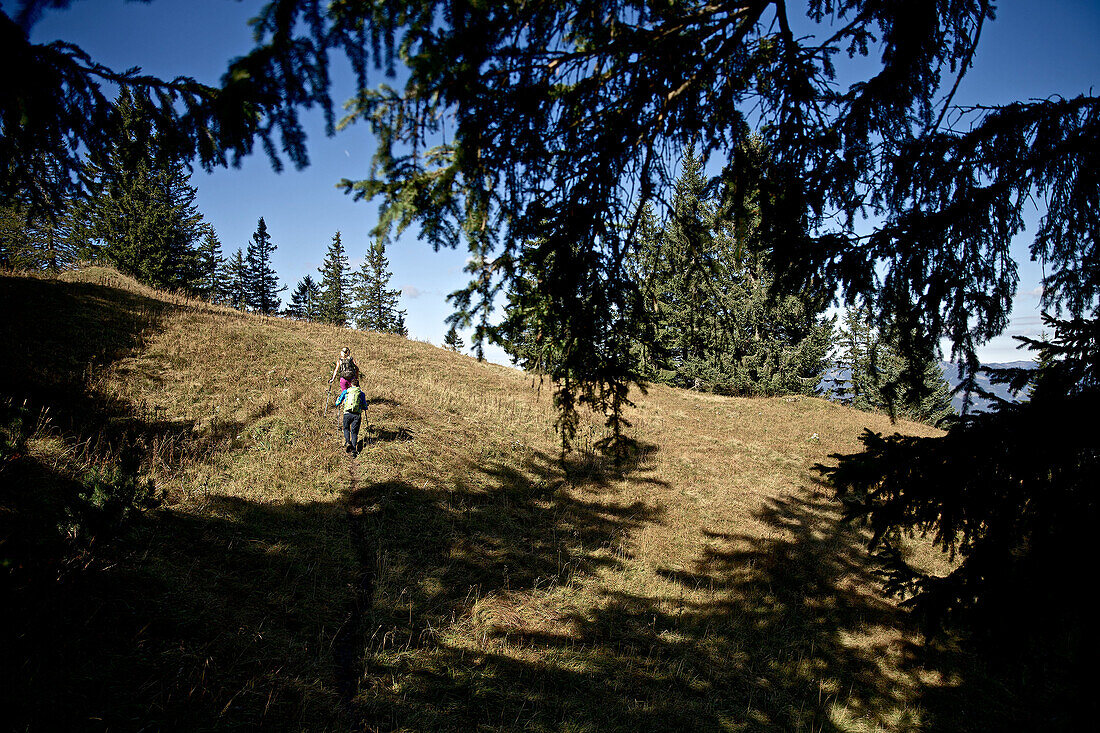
x=345, y=369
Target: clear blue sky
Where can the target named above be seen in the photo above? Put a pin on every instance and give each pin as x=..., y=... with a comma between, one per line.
x=1033, y=49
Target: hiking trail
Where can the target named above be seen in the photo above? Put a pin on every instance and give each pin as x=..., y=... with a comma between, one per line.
x=348, y=645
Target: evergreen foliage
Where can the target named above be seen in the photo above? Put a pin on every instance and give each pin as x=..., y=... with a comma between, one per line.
x=335, y=286
x=303, y=304
x=140, y=215
x=237, y=281
x=452, y=341
x=873, y=369
x=715, y=321
x=54, y=110
x=213, y=283
x=375, y=302
x=30, y=241
x=1009, y=494
x=263, y=284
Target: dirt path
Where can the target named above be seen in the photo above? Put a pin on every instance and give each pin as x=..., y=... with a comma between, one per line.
x=348, y=646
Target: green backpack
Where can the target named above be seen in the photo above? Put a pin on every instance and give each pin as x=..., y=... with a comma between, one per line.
x=351, y=400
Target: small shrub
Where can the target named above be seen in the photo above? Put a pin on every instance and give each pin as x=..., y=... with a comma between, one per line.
x=109, y=497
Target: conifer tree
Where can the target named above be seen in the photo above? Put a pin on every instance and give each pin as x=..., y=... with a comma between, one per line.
x=1009, y=494
x=36, y=241
x=375, y=302
x=398, y=328
x=332, y=303
x=872, y=372
x=212, y=283
x=237, y=281
x=715, y=320
x=140, y=213
x=452, y=341
x=303, y=301
x=263, y=283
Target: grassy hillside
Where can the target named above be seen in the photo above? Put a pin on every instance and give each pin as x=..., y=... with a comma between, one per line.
x=456, y=576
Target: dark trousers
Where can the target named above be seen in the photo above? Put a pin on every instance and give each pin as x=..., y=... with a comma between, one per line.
x=352, y=420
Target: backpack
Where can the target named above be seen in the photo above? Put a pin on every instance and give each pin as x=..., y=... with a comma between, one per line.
x=348, y=370
x=351, y=399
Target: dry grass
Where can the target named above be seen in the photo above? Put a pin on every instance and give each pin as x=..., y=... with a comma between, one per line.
x=456, y=576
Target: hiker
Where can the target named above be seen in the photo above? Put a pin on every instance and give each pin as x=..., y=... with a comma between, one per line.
x=354, y=402
x=345, y=369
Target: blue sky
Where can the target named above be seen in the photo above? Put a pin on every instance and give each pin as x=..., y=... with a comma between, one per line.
x=1033, y=49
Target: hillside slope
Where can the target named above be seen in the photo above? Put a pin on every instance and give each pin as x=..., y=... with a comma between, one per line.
x=456, y=576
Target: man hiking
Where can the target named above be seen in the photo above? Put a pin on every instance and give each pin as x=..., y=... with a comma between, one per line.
x=354, y=402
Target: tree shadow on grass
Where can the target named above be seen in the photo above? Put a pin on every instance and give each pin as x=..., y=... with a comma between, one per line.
x=258, y=615
x=763, y=646
x=499, y=602
x=483, y=615
x=483, y=618
x=64, y=330
x=217, y=623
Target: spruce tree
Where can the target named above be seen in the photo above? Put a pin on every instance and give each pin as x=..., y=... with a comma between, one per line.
x=452, y=341
x=36, y=241
x=715, y=320
x=375, y=302
x=237, y=281
x=303, y=301
x=263, y=283
x=332, y=303
x=872, y=372
x=140, y=213
x=212, y=283
x=691, y=264
x=1008, y=494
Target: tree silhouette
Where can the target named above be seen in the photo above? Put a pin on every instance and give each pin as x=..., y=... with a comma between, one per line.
x=237, y=281
x=212, y=281
x=452, y=341
x=140, y=214
x=335, y=286
x=1008, y=494
x=54, y=110
x=263, y=283
x=304, y=300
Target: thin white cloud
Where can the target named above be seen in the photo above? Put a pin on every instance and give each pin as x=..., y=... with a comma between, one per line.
x=411, y=291
x=1029, y=295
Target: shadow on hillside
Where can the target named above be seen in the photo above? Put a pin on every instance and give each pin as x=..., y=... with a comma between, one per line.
x=100, y=630
x=765, y=648
x=463, y=608
x=62, y=332
x=221, y=623
x=475, y=622
x=53, y=337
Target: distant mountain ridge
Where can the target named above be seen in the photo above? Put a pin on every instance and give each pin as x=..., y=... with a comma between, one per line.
x=951, y=374
x=979, y=403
